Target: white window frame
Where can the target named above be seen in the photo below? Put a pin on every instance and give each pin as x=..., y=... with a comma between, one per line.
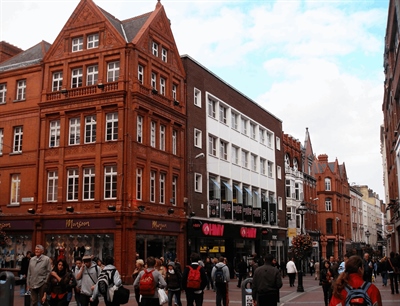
x=52, y=186
x=162, y=86
x=110, y=182
x=278, y=143
x=54, y=134
x=74, y=131
x=153, y=126
x=245, y=159
x=162, y=137
x=92, y=41
x=139, y=129
x=139, y=183
x=174, y=189
x=269, y=139
x=21, y=90
x=174, y=142
x=223, y=114
x=253, y=129
x=77, y=44
x=263, y=163
x=162, y=188
x=164, y=54
x=223, y=149
x=270, y=169
x=57, y=81
x=197, y=97
x=113, y=71
x=212, y=108
x=154, y=80
x=90, y=129
x=234, y=120
x=198, y=182
x=235, y=155
x=15, y=189
x=174, y=91
x=1, y=141
x=261, y=133
x=254, y=162
x=212, y=145
x=244, y=123
x=76, y=77
x=3, y=93
x=111, y=133
x=328, y=204
x=18, y=137
x=140, y=74
x=279, y=172
x=152, y=188
x=72, y=184
x=154, y=49
x=328, y=185
x=89, y=178
x=92, y=74
x=197, y=138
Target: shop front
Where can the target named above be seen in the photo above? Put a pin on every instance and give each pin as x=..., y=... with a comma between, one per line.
x=15, y=242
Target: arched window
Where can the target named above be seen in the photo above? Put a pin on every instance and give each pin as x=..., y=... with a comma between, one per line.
x=327, y=184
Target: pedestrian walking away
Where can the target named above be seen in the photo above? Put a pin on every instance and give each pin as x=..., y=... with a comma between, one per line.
x=352, y=278
x=267, y=281
x=38, y=272
x=291, y=271
x=221, y=276
x=194, y=280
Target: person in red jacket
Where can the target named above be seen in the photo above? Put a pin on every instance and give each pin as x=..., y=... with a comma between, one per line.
x=353, y=276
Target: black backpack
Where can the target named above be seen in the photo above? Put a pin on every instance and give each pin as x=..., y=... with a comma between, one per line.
x=219, y=275
x=358, y=296
x=106, y=278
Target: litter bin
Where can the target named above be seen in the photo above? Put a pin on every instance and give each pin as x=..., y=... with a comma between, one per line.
x=247, y=298
x=7, y=284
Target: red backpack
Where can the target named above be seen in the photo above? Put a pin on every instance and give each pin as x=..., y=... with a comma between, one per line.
x=194, y=278
x=147, y=285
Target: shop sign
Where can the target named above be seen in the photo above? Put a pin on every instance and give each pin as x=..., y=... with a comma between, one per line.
x=217, y=249
x=78, y=224
x=248, y=232
x=17, y=225
x=157, y=225
x=213, y=229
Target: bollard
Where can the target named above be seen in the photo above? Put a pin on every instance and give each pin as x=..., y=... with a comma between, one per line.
x=7, y=284
x=247, y=298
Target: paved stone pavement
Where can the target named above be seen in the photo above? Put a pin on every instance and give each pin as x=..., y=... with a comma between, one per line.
x=289, y=296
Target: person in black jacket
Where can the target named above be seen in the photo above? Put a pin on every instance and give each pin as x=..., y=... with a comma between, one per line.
x=242, y=271
x=173, y=278
x=267, y=281
x=23, y=272
x=194, y=295
x=208, y=266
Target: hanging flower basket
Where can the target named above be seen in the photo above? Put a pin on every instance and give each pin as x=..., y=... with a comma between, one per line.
x=301, y=246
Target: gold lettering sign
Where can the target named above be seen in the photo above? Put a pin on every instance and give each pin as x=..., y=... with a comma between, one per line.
x=79, y=224
x=5, y=225
x=158, y=226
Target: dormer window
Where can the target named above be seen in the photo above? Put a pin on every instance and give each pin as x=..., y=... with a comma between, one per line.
x=93, y=41
x=77, y=44
x=155, y=49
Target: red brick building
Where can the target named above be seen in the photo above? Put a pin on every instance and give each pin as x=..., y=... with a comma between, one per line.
x=93, y=132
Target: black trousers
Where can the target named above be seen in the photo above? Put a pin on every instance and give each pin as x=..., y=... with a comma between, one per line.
x=192, y=298
x=292, y=277
x=270, y=299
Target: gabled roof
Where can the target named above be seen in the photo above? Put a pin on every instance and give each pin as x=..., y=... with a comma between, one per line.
x=30, y=57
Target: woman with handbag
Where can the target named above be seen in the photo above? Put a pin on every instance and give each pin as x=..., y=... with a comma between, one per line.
x=59, y=281
x=392, y=272
x=326, y=278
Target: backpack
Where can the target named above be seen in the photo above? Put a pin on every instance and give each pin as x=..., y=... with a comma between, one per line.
x=358, y=296
x=147, y=285
x=219, y=275
x=103, y=281
x=194, y=278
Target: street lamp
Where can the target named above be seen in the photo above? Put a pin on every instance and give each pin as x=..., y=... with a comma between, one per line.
x=301, y=210
x=367, y=234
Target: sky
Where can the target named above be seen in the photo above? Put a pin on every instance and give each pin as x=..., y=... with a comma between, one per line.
x=313, y=64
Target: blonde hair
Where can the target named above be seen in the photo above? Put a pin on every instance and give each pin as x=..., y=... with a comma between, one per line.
x=140, y=262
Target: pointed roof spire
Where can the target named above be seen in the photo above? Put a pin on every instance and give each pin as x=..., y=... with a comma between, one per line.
x=307, y=144
x=158, y=4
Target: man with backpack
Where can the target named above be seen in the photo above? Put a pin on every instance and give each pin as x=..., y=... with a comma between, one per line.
x=148, y=281
x=194, y=280
x=221, y=276
x=108, y=278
